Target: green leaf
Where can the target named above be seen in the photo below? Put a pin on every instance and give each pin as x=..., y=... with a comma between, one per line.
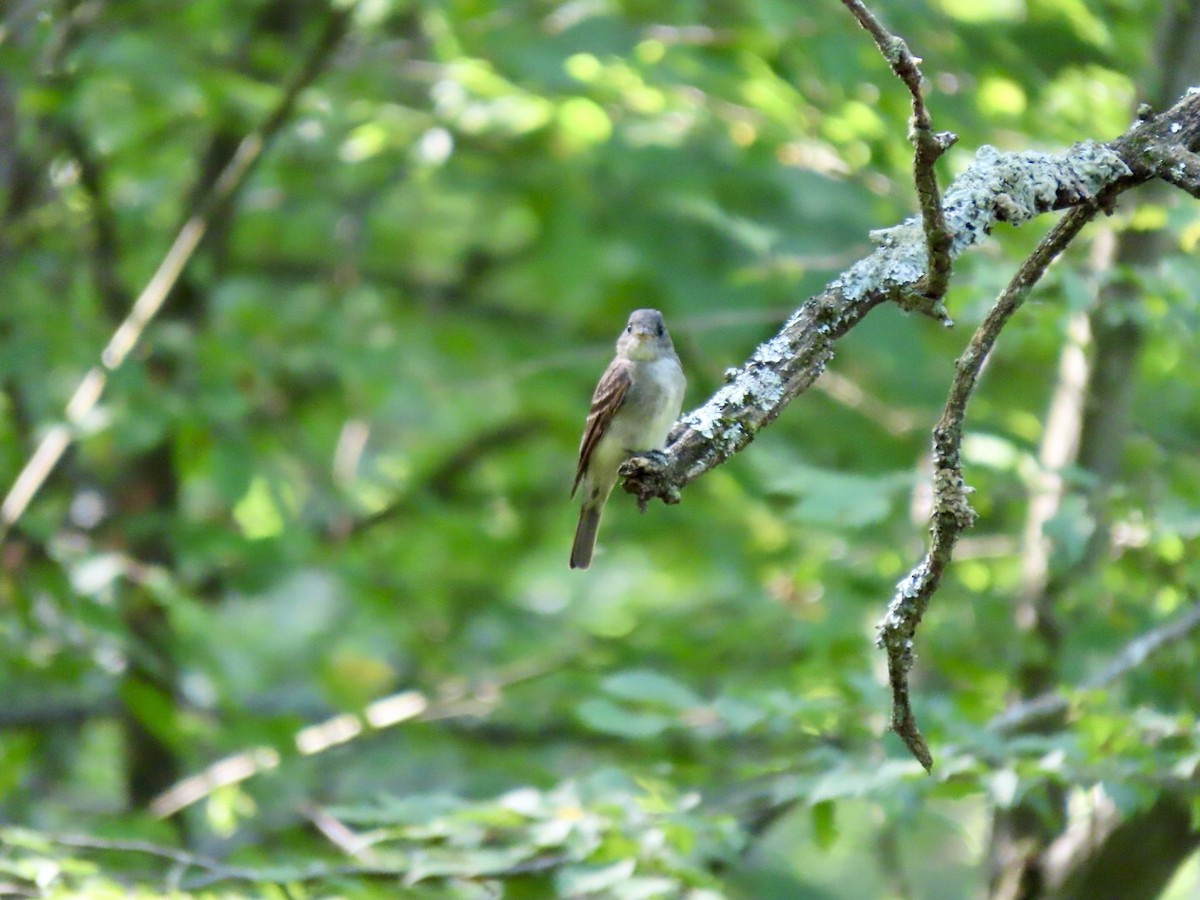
x=649, y=686
x=957, y=788
x=436, y=862
x=852, y=781
x=842, y=499
x=416, y=809
x=607, y=717
x=152, y=708
x=1129, y=799
x=652, y=888
x=577, y=881
x=824, y=822
x=739, y=716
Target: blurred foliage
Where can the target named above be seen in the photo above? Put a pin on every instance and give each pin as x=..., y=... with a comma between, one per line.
x=337, y=468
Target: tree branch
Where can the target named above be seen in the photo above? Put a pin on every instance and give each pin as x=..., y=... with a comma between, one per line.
x=1133, y=655
x=1107, y=853
x=180, y=858
x=952, y=514
x=445, y=478
x=928, y=148
x=997, y=187
x=386, y=712
x=1181, y=168
x=56, y=440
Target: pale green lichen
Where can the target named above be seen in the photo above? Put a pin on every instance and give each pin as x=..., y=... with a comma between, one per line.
x=998, y=187
x=757, y=385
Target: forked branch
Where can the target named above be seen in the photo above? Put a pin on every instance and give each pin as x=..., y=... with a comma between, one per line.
x=928, y=148
x=952, y=513
x=997, y=187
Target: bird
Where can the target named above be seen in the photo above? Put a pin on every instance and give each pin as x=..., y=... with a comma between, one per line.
x=633, y=408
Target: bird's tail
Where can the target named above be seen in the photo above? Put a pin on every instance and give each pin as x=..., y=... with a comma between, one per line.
x=585, y=535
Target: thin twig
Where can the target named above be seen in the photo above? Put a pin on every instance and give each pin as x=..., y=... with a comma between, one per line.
x=386, y=712
x=1134, y=654
x=952, y=514
x=340, y=834
x=456, y=465
x=928, y=148
x=766, y=808
x=174, y=855
x=83, y=402
x=998, y=187
x=1181, y=168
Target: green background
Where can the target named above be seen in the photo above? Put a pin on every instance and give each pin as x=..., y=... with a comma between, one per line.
x=337, y=466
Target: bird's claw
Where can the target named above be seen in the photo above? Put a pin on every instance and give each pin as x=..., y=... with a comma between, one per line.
x=658, y=457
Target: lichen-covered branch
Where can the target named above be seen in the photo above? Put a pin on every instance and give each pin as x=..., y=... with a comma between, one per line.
x=997, y=187
x=1181, y=168
x=928, y=148
x=952, y=513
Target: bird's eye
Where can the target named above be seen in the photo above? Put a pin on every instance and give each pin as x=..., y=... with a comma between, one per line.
x=660, y=329
x=629, y=329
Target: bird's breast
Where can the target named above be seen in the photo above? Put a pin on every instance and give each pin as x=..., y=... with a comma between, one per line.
x=652, y=404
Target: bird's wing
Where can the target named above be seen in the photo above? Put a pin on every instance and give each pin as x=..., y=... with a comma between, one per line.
x=610, y=394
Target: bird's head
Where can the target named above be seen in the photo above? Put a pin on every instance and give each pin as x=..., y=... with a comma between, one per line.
x=645, y=336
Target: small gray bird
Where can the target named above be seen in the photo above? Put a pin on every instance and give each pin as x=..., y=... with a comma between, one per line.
x=635, y=404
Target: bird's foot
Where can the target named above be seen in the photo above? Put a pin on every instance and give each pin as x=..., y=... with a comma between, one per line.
x=644, y=478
